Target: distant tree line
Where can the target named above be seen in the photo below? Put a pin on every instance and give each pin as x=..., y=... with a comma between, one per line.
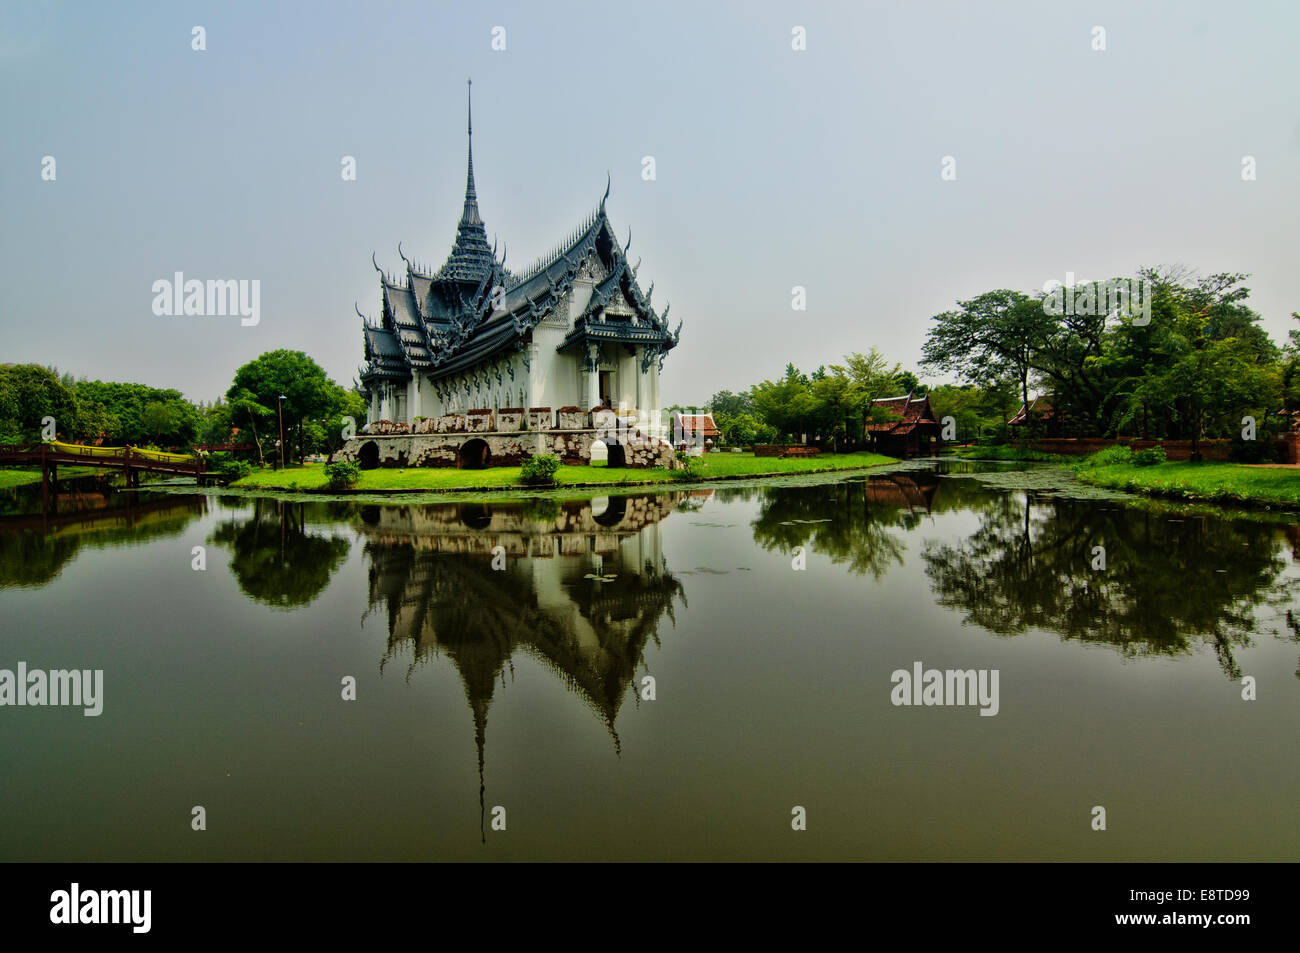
x=833, y=404
x=1191, y=365
x=116, y=413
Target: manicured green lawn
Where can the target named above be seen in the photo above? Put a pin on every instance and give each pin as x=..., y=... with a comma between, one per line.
x=12, y=478
x=1216, y=482
x=714, y=466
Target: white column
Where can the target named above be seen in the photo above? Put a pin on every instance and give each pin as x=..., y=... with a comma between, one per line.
x=592, y=372
x=532, y=379
x=413, y=398
x=640, y=384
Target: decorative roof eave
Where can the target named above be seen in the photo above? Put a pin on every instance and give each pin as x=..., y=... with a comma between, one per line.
x=411, y=324
x=374, y=373
x=615, y=333
x=487, y=347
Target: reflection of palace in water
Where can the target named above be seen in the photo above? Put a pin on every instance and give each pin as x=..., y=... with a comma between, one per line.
x=578, y=585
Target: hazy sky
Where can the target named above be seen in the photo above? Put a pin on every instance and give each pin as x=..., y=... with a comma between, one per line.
x=774, y=167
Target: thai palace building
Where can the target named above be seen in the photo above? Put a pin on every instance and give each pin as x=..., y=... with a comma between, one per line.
x=910, y=429
x=572, y=332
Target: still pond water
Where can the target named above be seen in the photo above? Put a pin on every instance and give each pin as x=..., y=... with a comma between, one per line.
x=521, y=688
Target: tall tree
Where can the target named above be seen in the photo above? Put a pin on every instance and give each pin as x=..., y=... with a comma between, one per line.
x=28, y=394
x=988, y=337
x=308, y=393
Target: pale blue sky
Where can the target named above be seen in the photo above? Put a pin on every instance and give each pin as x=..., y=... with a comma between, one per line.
x=775, y=168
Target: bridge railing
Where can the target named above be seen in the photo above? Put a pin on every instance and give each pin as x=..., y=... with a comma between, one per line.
x=157, y=456
x=36, y=452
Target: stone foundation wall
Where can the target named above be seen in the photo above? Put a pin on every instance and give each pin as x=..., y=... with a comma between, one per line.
x=479, y=421
x=449, y=423
x=572, y=418
x=443, y=448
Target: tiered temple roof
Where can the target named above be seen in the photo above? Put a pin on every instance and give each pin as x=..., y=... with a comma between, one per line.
x=472, y=309
x=915, y=413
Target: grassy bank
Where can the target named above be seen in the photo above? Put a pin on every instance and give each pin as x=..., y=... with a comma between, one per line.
x=1212, y=482
x=713, y=466
x=25, y=477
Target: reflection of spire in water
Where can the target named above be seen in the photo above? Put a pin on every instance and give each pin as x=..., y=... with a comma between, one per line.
x=581, y=593
x=480, y=742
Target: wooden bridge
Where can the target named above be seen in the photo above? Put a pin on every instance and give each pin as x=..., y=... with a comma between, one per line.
x=130, y=460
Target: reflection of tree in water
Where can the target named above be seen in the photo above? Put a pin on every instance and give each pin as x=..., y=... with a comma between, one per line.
x=35, y=548
x=1293, y=623
x=1166, y=583
x=581, y=592
x=849, y=521
x=275, y=560
x=32, y=559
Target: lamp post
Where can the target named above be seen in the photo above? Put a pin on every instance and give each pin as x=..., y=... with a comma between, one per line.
x=280, y=407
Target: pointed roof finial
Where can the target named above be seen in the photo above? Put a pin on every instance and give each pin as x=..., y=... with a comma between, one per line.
x=470, y=215
x=608, y=180
x=471, y=255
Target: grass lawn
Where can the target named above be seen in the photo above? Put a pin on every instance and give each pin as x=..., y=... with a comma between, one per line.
x=1215, y=482
x=25, y=477
x=714, y=466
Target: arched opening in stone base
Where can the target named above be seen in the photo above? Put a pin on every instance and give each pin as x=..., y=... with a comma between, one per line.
x=612, y=513
x=474, y=455
x=368, y=455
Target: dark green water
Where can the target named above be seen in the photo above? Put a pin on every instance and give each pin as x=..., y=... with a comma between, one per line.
x=520, y=687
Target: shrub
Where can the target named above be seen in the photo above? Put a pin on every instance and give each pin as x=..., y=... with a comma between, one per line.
x=1110, y=456
x=540, y=470
x=1259, y=450
x=342, y=475
x=1149, y=457
x=229, y=469
x=689, y=467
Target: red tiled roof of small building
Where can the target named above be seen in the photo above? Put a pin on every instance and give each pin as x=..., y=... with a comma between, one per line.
x=698, y=423
x=1038, y=407
x=913, y=411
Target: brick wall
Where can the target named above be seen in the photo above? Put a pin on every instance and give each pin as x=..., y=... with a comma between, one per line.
x=1216, y=450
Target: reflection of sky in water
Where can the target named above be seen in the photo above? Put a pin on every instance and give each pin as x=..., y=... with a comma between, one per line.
x=520, y=686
